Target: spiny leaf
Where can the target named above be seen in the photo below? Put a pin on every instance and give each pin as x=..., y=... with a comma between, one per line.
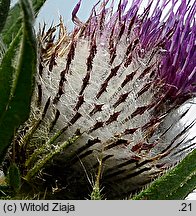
x=7, y=71
x=169, y=186
x=12, y=25
x=184, y=189
x=40, y=150
x=18, y=106
x=39, y=165
x=4, y=9
x=14, y=20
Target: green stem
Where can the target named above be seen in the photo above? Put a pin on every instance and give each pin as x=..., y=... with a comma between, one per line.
x=40, y=163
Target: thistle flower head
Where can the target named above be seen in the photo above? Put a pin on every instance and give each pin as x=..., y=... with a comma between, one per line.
x=117, y=82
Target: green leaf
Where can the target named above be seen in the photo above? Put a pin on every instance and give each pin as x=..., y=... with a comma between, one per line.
x=174, y=184
x=18, y=106
x=12, y=25
x=14, y=177
x=7, y=72
x=4, y=9
x=37, y=5
x=184, y=189
x=14, y=20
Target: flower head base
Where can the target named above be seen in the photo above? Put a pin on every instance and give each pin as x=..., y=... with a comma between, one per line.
x=117, y=82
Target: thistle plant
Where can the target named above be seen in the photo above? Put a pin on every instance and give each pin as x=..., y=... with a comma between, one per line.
x=106, y=112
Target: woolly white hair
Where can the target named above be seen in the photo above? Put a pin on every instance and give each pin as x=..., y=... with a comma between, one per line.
x=104, y=83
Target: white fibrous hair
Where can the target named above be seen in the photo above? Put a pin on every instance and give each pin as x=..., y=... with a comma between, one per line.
x=106, y=83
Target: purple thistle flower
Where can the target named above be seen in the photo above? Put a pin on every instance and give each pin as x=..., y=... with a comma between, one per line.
x=117, y=81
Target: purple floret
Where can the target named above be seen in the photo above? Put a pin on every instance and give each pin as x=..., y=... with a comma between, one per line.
x=173, y=37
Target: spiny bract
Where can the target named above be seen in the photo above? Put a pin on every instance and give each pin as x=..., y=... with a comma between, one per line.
x=114, y=85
